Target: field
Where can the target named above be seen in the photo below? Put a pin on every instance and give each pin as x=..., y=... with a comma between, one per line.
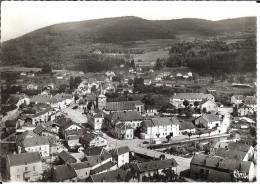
x=151, y=56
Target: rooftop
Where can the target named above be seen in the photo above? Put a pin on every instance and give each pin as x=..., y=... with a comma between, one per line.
x=125, y=116
x=122, y=105
x=161, y=121
x=23, y=158
x=154, y=165
x=64, y=172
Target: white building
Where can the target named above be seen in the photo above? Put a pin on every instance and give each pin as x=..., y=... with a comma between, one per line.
x=24, y=167
x=160, y=127
x=178, y=98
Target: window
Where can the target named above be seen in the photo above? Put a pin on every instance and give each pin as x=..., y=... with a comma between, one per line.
x=33, y=168
x=26, y=168
x=18, y=176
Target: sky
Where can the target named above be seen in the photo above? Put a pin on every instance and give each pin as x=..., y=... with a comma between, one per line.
x=18, y=18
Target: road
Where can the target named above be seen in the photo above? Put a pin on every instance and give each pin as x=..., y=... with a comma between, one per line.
x=137, y=146
x=76, y=115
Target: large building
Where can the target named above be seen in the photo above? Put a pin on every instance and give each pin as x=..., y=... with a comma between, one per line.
x=24, y=167
x=218, y=169
x=178, y=98
x=160, y=127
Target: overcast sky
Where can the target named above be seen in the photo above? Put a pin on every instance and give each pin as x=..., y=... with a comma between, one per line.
x=18, y=18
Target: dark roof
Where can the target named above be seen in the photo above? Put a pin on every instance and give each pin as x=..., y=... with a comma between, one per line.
x=161, y=121
x=118, y=175
x=93, y=151
x=217, y=162
x=209, y=117
x=66, y=157
x=87, y=138
x=81, y=165
x=103, y=167
x=64, y=172
x=122, y=105
x=23, y=158
x=10, y=123
x=120, y=150
x=186, y=124
x=154, y=165
x=125, y=116
x=233, y=151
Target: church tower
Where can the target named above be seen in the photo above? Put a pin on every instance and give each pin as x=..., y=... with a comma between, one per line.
x=102, y=100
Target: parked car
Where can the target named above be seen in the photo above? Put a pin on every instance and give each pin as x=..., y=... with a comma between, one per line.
x=75, y=107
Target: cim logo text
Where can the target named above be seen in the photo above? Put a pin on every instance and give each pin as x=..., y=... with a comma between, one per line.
x=240, y=174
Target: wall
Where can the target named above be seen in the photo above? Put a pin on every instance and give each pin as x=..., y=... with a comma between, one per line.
x=35, y=170
x=123, y=159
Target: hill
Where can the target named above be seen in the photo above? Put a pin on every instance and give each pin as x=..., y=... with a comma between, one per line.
x=61, y=44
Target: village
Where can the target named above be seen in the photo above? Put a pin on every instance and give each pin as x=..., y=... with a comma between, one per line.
x=67, y=126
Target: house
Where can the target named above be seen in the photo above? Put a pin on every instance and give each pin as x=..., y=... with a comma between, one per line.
x=146, y=169
x=122, y=131
x=66, y=158
x=209, y=121
x=109, y=166
x=218, y=169
x=121, y=155
x=125, y=106
x=68, y=127
x=44, y=130
x=97, y=155
x=96, y=121
x=10, y=126
x=233, y=150
x=64, y=173
x=82, y=169
x=237, y=99
x=93, y=140
x=31, y=142
x=186, y=126
x=118, y=175
x=209, y=106
x=24, y=166
x=160, y=127
x=130, y=118
x=178, y=98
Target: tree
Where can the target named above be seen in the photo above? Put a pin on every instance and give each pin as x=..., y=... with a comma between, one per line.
x=77, y=81
x=71, y=83
x=46, y=68
x=138, y=84
x=196, y=104
x=186, y=103
x=189, y=134
x=158, y=64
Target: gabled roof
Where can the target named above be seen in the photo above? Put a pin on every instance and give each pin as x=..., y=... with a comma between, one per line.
x=10, y=123
x=24, y=135
x=125, y=116
x=64, y=172
x=88, y=137
x=209, y=118
x=154, y=165
x=118, y=175
x=81, y=165
x=161, y=121
x=103, y=167
x=119, y=151
x=122, y=105
x=233, y=150
x=66, y=157
x=218, y=162
x=186, y=124
x=34, y=141
x=23, y=158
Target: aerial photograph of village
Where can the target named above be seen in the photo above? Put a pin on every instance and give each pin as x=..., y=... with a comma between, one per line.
x=133, y=92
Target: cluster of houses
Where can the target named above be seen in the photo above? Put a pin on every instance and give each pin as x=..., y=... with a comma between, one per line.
x=48, y=141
